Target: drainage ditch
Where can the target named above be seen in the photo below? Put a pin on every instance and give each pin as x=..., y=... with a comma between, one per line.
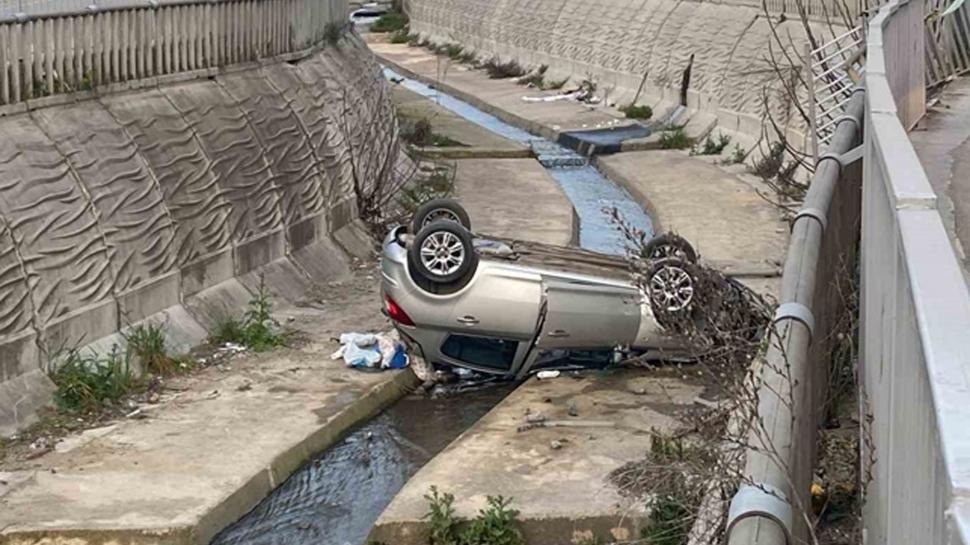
x=336, y=498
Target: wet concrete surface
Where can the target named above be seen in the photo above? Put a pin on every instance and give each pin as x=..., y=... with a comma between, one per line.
x=335, y=499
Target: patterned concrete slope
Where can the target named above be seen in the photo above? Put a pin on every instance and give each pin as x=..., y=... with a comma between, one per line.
x=639, y=48
x=241, y=168
x=125, y=197
x=58, y=236
x=171, y=205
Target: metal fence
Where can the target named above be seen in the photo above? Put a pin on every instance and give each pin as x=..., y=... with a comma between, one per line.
x=834, y=69
x=80, y=50
x=915, y=312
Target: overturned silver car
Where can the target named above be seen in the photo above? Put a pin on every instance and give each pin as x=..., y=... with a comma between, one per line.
x=510, y=308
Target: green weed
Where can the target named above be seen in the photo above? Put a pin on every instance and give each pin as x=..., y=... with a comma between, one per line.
x=634, y=111
x=147, y=343
x=419, y=133
x=257, y=329
x=494, y=525
x=674, y=138
x=737, y=156
x=497, y=69
x=712, y=146
x=436, y=184
x=390, y=22
x=535, y=78
x=333, y=32
x=88, y=383
x=400, y=36
x=88, y=81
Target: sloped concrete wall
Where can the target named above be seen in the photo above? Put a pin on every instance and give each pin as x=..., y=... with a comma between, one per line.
x=626, y=43
x=168, y=204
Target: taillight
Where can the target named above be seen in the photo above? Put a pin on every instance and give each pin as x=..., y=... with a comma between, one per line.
x=395, y=312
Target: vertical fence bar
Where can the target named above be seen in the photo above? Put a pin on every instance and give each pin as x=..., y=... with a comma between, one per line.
x=5, y=64
x=27, y=59
x=15, y=56
x=49, y=53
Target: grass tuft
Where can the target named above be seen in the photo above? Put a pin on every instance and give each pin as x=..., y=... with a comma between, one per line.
x=497, y=69
x=674, y=138
x=391, y=21
x=494, y=525
x=634, y=111
x=712, y=145
x=89, y=383
x=257, y=329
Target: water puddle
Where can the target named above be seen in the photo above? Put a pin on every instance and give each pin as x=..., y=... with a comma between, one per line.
x=589, y=191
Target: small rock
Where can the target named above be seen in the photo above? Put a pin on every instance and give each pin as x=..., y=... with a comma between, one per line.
x=547, y=400
x=245, y=387
x=555, y=445
x=573, y=411
x=640, y=391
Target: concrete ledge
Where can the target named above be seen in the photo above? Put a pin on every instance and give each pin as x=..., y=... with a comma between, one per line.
x=61, y=508
x=475, y=153
x=149, y=297
x=206, y=272
x=563, y=493
x=20, y=397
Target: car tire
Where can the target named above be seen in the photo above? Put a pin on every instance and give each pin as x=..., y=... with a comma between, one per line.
x=672, y=285
x=442, y=253
x=670, y=245
x=439, y=209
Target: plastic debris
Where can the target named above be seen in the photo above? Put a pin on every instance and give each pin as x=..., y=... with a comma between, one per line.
x=543, y=375
x=372, y=351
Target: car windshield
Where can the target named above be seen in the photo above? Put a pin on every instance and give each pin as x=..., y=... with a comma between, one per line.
x=481, y=351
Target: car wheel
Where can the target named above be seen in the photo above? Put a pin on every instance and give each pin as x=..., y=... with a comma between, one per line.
x=439, y=209
x=670, y=245
x=672, y=283
x=442, y=253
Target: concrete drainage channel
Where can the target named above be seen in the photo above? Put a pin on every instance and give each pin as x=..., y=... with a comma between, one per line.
x=335, y=499
x=589, y=191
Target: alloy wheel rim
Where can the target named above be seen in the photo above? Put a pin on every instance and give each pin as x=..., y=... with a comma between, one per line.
x=440, y=214
x=442, y=253
x=672, y=288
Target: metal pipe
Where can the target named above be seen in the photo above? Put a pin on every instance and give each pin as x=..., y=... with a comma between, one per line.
x=759, y=515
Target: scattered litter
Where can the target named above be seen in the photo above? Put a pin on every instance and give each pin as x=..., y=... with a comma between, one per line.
x=543, y=375
x=566, y=424
x=555, y=445
x=213, y=394
x=576, y=95
x=372, y=351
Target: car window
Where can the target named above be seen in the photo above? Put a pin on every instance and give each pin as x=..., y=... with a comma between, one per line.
x=481, y=351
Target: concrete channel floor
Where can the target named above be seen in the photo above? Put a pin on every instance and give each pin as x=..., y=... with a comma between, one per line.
x=500, y=97
x=477, y=142
x=220, y=440
x=942, y=142
x=558, y=475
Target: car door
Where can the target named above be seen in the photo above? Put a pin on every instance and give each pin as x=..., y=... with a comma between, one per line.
x=589, y=315
x=502, y=302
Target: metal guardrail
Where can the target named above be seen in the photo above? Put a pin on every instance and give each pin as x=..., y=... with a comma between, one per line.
x=833, y=70
x=915, y=311
x=75, y=51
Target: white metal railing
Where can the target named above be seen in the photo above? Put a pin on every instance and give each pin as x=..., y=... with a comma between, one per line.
x=915, y=313
x=833, y=70
x=74, y=51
